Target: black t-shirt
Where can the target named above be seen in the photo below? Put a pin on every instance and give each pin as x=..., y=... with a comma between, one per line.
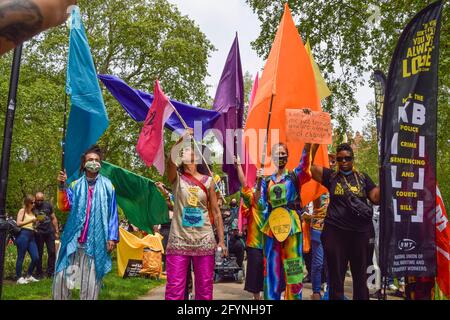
x=45, y=210
x=339, y=214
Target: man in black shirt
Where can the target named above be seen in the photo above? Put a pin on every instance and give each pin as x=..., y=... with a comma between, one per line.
x=46, y=233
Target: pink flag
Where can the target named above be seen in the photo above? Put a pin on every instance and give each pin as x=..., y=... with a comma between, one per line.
x=150, y=146
x=249, y=169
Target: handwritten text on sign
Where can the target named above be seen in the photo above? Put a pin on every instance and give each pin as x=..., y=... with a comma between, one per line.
x=309, y=128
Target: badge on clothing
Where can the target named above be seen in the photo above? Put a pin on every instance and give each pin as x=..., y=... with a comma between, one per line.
x=280, y=223
x=277, y=194
x=193, y=217
x=294, y=270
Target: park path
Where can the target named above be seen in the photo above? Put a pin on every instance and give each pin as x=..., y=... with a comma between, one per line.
x=235, y=291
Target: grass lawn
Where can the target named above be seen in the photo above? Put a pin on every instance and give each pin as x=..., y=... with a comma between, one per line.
x=114, y=288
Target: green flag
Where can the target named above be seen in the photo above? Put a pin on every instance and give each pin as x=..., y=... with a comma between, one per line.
x=139, y=198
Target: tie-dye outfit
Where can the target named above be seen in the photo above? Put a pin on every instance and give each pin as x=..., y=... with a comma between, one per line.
x=253, y=212
x=277, y=254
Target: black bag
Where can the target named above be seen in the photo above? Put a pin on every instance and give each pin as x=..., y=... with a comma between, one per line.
x=358, y=206
x=14, y=230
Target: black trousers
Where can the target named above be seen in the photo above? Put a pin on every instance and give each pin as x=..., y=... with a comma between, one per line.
x=237, y=248
x=49, y=240
x=341, y=247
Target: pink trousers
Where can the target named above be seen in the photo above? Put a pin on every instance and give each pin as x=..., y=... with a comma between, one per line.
x=177, y=269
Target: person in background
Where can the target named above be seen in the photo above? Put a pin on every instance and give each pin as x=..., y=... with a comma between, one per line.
x=46, y=233
x=191, y=236
x=234, y=209
x=92, y=229
x=236, y=245
x=346, y=232
x=23, y=19
x=254, y=280
x=25, y=241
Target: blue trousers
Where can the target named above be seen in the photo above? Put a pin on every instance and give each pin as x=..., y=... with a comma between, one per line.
x=316, y=260
x=25, y=242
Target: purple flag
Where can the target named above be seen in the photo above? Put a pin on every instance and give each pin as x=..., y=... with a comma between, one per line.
x=137, y=103
x=229, y=101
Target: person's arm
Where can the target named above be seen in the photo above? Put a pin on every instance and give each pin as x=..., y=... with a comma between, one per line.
x=55, y=224
x=374, y=195
x=217, y=218
x=172, y=169
x=373, y=190
x=64, y=196
x=20, y=20
x=316, y=171
x=113, y=224
x=303, y=170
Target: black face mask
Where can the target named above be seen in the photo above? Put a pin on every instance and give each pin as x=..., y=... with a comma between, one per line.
x=233, y=205
x=38, y=204
x=281, y=161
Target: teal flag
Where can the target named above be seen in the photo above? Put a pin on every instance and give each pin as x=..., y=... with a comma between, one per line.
x=138, y=197
x=88, y=119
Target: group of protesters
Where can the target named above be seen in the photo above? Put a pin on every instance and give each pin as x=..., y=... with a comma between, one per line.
x=275, y=264
x=339, y=234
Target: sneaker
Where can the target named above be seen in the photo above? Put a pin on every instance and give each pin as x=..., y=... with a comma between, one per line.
x=31, y=279
x=22, y=280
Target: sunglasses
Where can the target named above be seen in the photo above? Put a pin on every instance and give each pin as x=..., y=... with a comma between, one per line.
x=346, y=159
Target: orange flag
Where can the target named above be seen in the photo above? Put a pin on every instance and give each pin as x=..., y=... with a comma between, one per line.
x=288, y=81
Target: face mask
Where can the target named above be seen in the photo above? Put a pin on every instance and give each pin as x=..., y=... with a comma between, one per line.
x=281, y=161
x=38, y=204
x=234, y=205
x=93, y=166
x=346, y=173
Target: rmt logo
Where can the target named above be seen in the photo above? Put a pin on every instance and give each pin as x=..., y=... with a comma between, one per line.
x=407, y=245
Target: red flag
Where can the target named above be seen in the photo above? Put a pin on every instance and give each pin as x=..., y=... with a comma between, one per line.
x=249, y=168
x=150, y=146
x=443, y=248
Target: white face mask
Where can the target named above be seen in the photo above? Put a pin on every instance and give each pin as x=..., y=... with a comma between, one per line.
x=93, y=166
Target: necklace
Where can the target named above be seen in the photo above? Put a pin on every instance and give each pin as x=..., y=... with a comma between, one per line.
x=355, y=189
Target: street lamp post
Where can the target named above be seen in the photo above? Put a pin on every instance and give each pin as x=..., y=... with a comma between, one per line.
x=6, y=151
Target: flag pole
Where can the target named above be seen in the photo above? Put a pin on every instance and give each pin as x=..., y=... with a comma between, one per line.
x=63, y=143
x=266, y=140
x=6, y=153
x=198, y=149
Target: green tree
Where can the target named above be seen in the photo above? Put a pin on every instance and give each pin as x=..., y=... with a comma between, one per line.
x=352, y=38
x=139, y=41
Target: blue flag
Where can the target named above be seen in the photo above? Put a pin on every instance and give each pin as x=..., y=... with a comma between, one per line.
x=136, y=103
x=88, y=119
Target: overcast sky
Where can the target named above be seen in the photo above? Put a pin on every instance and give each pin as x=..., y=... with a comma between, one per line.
x=220, y=20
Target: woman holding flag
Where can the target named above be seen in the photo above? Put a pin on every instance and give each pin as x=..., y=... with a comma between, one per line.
x=191, y=235
x=280, y=196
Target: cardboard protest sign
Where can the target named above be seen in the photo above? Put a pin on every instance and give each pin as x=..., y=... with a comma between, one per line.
x=314, y=127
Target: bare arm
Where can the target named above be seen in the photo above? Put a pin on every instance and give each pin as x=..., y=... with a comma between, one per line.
x=55, y=224
x=240, y=172
x=374, y=195
x=217, y=216
x=20, y=20
x=316, y=171
x=172, y=167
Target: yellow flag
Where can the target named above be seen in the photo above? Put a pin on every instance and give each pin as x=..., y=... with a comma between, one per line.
x=322, y=88
x=131, y=247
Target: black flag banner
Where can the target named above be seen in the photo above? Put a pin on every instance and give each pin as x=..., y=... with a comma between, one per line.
x=408, y=144
x=380, y=88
